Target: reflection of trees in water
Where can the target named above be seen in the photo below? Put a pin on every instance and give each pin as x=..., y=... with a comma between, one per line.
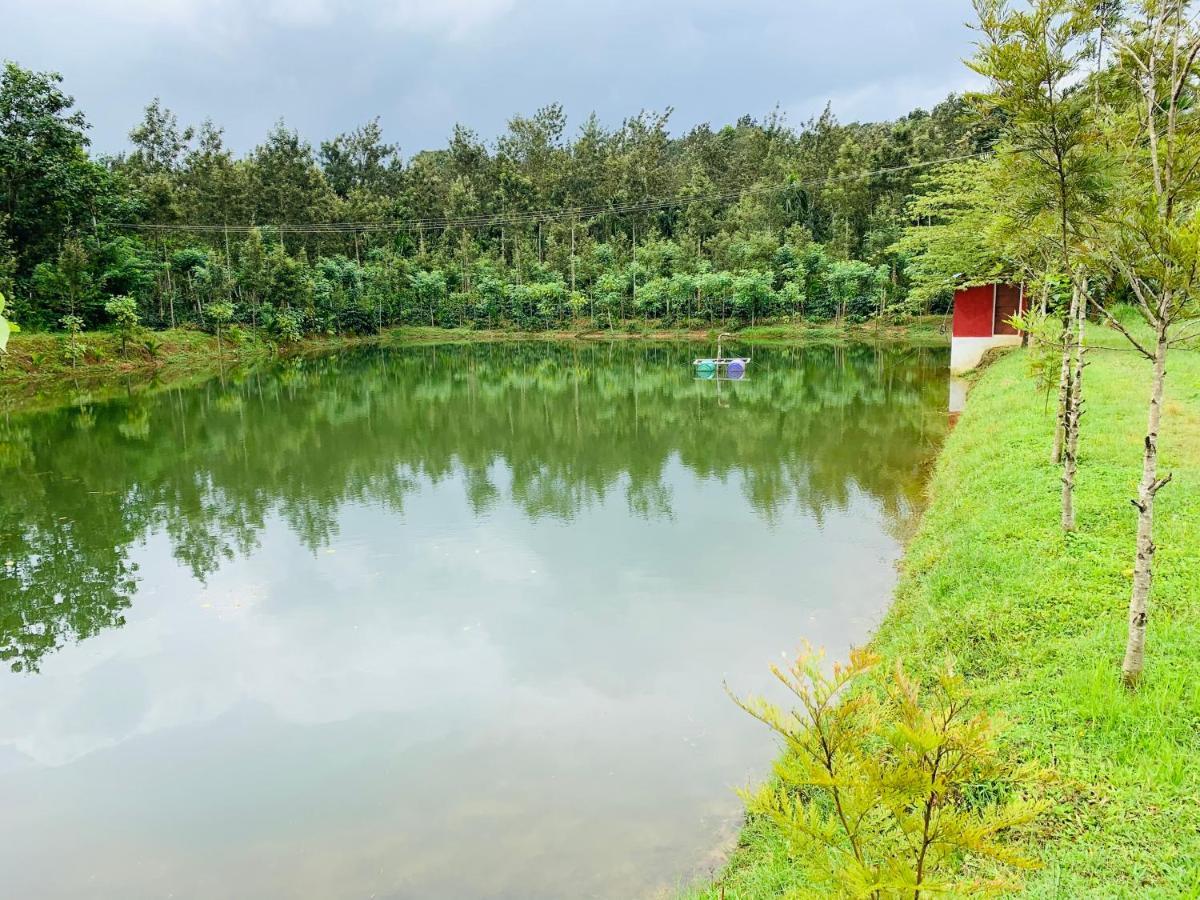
x=571, y=424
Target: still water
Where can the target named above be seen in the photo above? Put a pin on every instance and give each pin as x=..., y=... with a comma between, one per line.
x=440, y=622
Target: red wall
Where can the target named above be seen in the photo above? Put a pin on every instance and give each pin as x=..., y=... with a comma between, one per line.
x=973, y=311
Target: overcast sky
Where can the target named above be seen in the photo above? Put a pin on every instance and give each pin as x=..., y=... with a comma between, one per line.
x=326, y=66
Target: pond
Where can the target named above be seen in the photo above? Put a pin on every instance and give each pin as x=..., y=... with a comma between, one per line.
x=441, y=621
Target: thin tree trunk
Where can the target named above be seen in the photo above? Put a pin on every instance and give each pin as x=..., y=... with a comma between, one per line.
x=1064, y=385
x=1074, y=410
x=633, y=269
x=170, y=285
x=1143, y=564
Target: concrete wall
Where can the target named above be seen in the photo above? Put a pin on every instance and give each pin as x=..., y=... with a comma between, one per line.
x=966, y=352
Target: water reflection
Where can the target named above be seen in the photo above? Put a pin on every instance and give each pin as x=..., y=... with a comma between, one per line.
x=437, y=622
x=571, y=425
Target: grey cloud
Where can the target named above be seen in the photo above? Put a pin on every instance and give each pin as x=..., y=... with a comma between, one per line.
x=328, y=65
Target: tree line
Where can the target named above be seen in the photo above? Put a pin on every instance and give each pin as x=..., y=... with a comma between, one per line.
x=544, y=227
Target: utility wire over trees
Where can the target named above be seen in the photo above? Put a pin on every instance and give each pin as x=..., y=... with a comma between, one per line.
x=545, y=215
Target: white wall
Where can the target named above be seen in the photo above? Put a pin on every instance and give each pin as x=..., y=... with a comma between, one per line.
x=966, y=352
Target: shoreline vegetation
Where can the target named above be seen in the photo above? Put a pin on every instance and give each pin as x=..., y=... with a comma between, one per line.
x=35, y=370
x=1034, y=619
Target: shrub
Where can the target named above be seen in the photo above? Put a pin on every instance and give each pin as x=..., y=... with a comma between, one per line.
x=355, y=318
x=887, y=792
x=288, y=325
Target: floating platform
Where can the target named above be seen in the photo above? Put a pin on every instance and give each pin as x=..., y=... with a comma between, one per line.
x=731, y=368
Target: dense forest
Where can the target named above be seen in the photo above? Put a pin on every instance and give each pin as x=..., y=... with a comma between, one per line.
x=552, y=225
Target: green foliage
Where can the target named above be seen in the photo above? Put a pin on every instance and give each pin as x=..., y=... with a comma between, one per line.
x=47, y=181
x=1044, y=356
x=7, y=328
x=220, y=312
x=67, y=285
x=1051, y=178
x=952, y=242
x=708, y=263
x=289, y=325
x=886, y=796
x=152, y=345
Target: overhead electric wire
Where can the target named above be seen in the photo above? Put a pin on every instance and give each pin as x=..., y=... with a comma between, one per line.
x=494, y=220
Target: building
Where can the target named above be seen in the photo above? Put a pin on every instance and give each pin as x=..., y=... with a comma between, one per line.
x=981, y=317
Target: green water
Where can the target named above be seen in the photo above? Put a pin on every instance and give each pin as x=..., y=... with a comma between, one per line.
x=432, y=622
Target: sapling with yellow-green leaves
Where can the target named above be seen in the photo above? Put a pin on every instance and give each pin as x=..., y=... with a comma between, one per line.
x=889, y=785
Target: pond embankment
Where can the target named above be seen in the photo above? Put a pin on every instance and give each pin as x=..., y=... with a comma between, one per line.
x=1036, y=620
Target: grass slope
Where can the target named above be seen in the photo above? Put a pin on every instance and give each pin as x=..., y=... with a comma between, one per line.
x=1036, y=620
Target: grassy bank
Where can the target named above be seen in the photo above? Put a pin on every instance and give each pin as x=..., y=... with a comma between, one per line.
x=1036, y=620
x=35, y=369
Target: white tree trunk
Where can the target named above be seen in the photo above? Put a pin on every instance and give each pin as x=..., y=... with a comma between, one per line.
x=1143, y=564
x=1074, y=410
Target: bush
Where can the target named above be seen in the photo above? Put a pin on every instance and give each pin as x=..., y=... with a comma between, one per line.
x=887, y=791
x=355, y=318
x=288, y=325
x=861, y=307
x=821, y=307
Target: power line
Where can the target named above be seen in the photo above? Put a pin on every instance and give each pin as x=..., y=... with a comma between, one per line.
x=493, y=220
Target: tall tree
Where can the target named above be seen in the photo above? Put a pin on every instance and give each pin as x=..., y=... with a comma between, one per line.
x=159, y=143
x=48, y=186
x=1154, y=241
x=361, y=160
x=287, y=185
x=1054, y=187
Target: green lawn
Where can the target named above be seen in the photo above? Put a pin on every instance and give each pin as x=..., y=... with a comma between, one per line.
x=1036, y=620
